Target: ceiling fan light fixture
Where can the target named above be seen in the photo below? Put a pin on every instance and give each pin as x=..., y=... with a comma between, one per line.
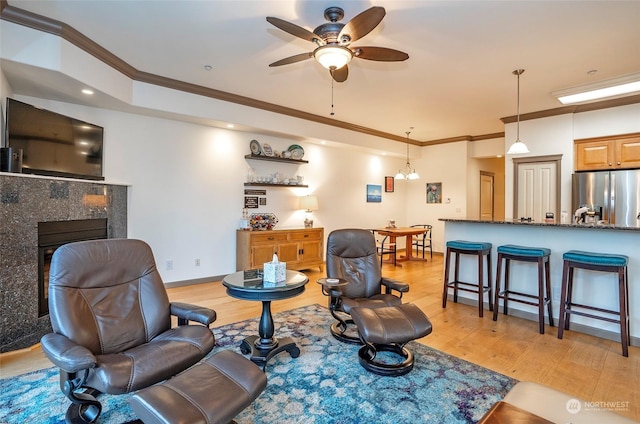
x=333, y=56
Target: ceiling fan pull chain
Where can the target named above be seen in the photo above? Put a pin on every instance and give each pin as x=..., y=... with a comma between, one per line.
x=332, y=97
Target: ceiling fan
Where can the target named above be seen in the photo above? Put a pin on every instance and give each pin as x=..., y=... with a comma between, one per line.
x=333, y=41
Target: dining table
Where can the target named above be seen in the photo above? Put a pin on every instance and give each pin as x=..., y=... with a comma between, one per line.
x=408, y=233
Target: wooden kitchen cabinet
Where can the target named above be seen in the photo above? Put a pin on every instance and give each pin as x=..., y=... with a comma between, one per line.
x=299, y=248
x=616, y=152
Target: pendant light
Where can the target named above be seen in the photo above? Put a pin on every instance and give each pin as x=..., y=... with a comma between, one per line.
x=410, y=173
x=518, y=147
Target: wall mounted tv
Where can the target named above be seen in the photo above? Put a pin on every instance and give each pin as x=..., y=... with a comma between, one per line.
x=54, y=144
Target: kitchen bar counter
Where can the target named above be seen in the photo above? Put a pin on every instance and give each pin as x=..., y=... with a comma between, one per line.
x=546, y=224
x=597, y=288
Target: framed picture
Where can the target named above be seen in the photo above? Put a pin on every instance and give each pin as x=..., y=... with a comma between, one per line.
x=374, y=193
x=388, y=184
x=251, y=202
x=434, y=192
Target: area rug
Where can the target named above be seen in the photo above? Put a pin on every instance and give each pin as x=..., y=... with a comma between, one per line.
x=325, y=384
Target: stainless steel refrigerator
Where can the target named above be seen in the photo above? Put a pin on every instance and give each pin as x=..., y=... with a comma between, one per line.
x=613, y=196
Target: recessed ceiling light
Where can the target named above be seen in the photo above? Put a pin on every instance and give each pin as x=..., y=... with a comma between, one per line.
x=87, y=91
x=208, y=67
x=616, y=87
x=230, y=125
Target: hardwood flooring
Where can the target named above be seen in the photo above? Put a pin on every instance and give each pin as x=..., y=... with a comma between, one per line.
x=587, y=367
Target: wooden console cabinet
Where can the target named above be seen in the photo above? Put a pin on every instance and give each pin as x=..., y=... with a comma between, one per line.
x=618, y=152
x=299, y=248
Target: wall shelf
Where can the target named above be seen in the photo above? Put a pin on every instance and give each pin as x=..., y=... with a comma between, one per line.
x=273, y=185
x=276, y=159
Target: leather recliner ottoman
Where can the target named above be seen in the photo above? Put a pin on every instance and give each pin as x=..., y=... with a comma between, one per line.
x=212, y=391
x=389, y=329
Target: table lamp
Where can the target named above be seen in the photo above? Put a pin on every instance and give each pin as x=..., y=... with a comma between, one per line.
x=309, y=204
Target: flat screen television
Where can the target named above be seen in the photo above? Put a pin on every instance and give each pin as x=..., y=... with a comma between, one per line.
x=53, y=144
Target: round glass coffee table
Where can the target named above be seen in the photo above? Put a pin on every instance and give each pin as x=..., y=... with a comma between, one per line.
x=248, y=285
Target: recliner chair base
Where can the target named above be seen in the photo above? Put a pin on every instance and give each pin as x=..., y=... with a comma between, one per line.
x=341, y=331
x=368, y=353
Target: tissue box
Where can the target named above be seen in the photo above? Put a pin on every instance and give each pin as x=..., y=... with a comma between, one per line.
x=275, y=272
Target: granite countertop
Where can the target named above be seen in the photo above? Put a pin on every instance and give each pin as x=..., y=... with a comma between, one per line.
x=544, y=224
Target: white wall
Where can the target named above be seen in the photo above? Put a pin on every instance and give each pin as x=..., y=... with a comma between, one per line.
x=555, y=135
x=446, y=164
x=187, y=186
x=5, y=91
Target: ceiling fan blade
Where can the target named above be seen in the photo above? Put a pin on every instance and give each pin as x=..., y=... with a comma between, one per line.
x=292, y=59
x=363, y=23
x=293, y=29
x=340, y=75
x=380, y=54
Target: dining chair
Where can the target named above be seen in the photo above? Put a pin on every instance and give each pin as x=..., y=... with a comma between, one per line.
x=423, y=241
x=384, y=246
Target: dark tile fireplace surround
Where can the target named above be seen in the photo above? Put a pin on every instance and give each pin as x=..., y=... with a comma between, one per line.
x=26, y=202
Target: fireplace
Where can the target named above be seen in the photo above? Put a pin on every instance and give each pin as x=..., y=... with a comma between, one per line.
x=27, y=204
x=53, y=234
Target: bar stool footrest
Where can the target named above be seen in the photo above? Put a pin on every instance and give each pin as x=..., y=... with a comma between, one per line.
x=502, y=294
x=452, y=284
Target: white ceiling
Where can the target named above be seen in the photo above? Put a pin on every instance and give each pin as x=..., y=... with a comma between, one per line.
x=457, y=81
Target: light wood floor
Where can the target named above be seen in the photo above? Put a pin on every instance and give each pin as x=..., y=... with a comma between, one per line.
x=584, y=366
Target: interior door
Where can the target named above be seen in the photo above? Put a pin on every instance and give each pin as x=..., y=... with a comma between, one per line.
x=486, y=196
x=537, y=191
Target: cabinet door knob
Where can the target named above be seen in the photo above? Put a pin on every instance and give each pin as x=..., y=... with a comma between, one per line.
x=618, y=163
x=307, y=235
x=610, y=164
x=270, y=238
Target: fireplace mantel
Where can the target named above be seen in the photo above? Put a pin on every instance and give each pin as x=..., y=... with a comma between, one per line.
x=26, y=200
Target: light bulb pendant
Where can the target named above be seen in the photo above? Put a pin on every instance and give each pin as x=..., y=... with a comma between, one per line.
x=518, y=147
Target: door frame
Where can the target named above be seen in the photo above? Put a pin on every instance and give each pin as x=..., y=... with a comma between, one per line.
x=493, y=202
x=538, y=159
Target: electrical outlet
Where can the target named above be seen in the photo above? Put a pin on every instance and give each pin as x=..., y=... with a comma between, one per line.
x=168, y=265
x=197, y=262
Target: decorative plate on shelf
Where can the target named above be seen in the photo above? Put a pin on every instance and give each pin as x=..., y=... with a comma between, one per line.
x=266, y=149
x=263, y=221
x=297, y=152
x=254, y=145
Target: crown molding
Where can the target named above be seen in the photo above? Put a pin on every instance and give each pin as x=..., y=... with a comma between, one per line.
x=563, y=110
x=42, y=23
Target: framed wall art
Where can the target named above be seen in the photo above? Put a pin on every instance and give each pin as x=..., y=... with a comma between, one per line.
x=389, y=184
x=374, y=193
x=434, y=192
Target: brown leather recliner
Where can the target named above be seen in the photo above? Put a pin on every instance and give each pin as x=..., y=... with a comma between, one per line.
x=111, y=320
x=352, y=255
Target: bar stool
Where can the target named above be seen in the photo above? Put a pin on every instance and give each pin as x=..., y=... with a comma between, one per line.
x=595, y=262
x=539, y=255
x=481, y=250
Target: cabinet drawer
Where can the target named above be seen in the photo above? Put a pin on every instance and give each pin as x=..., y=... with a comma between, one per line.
x=268, y=237
x=305, y=235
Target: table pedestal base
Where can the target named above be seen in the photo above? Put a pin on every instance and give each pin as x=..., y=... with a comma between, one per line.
x=260, y=356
